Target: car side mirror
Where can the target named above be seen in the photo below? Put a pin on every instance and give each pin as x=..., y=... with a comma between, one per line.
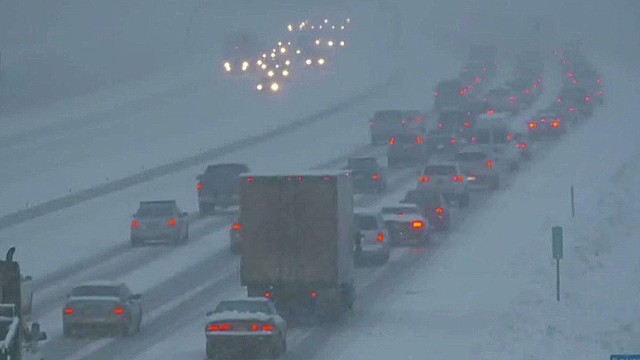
x=136, y=297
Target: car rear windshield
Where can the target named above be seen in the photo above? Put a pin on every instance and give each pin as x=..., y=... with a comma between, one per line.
x=471, y=156
x=365, y=222
x=153, y=210
x=361, y=163
x=227, y=171
x=243, y=307
x=92, y=290
x=400, y=210
x=439, y=170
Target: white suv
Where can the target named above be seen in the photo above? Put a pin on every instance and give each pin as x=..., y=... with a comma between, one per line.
x=447, y=178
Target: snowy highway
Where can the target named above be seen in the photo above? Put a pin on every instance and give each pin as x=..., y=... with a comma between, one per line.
x=483, y=290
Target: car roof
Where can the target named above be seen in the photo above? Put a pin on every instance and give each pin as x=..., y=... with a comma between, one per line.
x=106, y=283
x=158, y=202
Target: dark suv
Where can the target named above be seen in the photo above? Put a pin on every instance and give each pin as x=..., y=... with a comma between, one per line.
x=219, y=186
x=366, y=175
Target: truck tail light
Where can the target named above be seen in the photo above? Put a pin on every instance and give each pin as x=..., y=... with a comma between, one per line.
x=424, y=179
x=267, y=327
x=313, y=294
x=392, y=141
x=268, y=294
x=418, y=139
x=118, y=310
x=69, y=311
x=236, y=226
x=523, y=145
x=440, y=210
x=135, y=223
x=380, y=237
x=417, y=224
x=375, y=176
x=172, y=222
x=467, y=123
x=490, y=163
x=199, y=186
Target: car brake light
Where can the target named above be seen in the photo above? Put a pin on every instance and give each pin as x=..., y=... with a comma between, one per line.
x=135, y=223
x=419, y=118
x=375, y=176
x=424, y=179
x=526, y=91
x=533, y=125
x=268, y=294
x=314, y=294
x=467, y=123
x=236, y=226
x=250, y=179
x=219, y=327
x=454, y=141
x=463, y=91
x=392, y=141
x=68, y=311
x=555, y=124
x=572, y=108
x=491, y=111
x=418, y=139
x=536, y=85
x=509, y=137
x=417, y=224
x=571, y=74
x=457, y=178
x=587, y=98
x=440, y=210
x=172, y=222
x=512, y=99
x=380, y=237
x=474, y=139
x=372, y=123
x=255, y=327
x=119, y=310
x=598, y=81
x=523, y=145
x=489, y=163
x=436, y=93
x=199, y=186
x=559, y=99
x=574, y=81
x=477, y=79
x=601, y=92
x=440, y=125
x=267, y=327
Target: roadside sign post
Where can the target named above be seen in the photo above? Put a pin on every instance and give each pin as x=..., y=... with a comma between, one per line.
x=556, y=248
x=573, y=203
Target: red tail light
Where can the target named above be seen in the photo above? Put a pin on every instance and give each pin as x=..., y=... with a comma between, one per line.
x=436, y=93
x=555, y=124
x=457, y=178
x=135, y=223
x=454, y=141
x=587, y=98
x=533, y=125
x=392, y=141
x=255, y=327
x=523, y=145
x=571, y=74
x=598, y=81
x=491, y=111
x=559, y=99
x=375, y=176
x=489, y=163
x=424, y=179
x=219, y=327
x=119, y=310
x=69, y=311
x=236, y=226
x=418, y=139
x=474, y=139
x=574, y=81
x=199, y=186
x=380, y=237
x=526, y=91
x=417, y=224
x=440, y=125
x=372, y=123
x=536, y=85
x=467, y=124
x=250, y=179
x=512, y=99
x=314, y=294
x=268, y=294
x=477, y=79
x=172, y=222
x=267, y=327
x=419, y=118
x=601, y=92
x=509, y=137
x=572, y=108
x=463, y=91
x=440, y=210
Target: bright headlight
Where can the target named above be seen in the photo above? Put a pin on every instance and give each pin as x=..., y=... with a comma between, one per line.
x=330, y=43
x=283, y=50
x=270, y=73
x=287, y=62
x=321, y=61
x=342, y=27
x=275, y=87
x=348, y=20
x=263, y=66
x=298, y=51
x=342, y=43
x=326, y=21
x=290, y=27
x=259, y=87
x=308, y=62
x=264, y=56
x=259, y=62
x=273, y=55
x=318, y=42
x=227, y=66
x=285, y=72
x=245, y=66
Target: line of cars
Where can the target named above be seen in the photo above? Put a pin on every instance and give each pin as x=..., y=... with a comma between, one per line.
x=306, y=45
x=299, y=236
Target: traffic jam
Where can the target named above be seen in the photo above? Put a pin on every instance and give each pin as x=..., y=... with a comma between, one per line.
x=301, y=240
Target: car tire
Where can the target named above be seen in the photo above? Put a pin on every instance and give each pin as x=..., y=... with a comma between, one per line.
x=67, y=330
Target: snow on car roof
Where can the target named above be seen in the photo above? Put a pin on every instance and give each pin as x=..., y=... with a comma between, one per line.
x=93, y=298
x=110, y=283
